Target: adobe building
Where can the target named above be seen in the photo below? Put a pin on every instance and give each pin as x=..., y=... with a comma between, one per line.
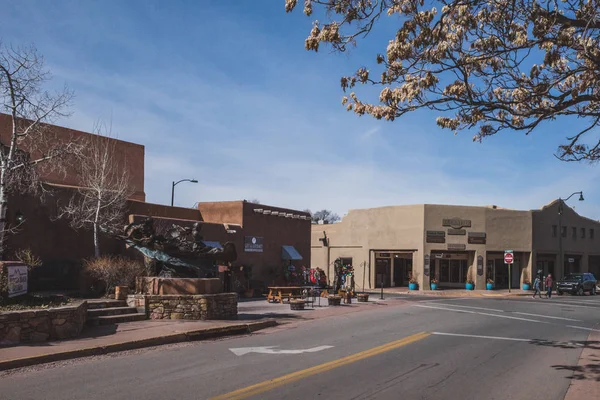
x=388, y=244
x=267, y=239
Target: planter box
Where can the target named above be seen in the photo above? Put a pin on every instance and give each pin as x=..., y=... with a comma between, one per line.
x=297, y=304
x=470, y=286
x=489, y=286
x=362, y=297
x=434, y=286
x=334, y=300
x=526, y=286
x=413, y=286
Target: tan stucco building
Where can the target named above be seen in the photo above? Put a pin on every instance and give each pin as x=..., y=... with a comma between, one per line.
x=388, y=244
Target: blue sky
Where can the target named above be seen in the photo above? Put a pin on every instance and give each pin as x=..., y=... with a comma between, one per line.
x=224, y=92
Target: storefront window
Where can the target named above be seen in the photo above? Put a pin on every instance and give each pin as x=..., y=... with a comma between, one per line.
x=455, y=271
x=490, y=269
x=444, y=271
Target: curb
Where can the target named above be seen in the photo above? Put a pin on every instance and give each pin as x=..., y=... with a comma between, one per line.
x=442, y=294
x=199, y=334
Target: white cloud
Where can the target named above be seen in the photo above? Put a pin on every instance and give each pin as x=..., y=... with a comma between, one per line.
x=284, y=138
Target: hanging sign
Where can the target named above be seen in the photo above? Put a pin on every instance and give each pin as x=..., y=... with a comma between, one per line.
x=426, y=267
x=480, y=265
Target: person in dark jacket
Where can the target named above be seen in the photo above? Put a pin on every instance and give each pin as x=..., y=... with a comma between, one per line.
x=536, y=287
x=549, y=286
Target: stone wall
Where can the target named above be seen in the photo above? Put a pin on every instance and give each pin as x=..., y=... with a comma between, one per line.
x=179, y=286
x=194, y=307
x=43, y=324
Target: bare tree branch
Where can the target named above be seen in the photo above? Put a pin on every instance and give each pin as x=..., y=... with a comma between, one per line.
x=100, y=203
x=30, y=146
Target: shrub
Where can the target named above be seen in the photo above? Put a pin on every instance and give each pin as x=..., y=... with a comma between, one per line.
x=27, y=257
x=114, y=271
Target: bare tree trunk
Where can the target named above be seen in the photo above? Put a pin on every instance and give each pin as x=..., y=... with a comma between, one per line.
x=3, y=206
x=96, y=236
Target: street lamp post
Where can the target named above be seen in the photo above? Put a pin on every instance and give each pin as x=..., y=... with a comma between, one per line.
x=560, y=235
x=173, y=188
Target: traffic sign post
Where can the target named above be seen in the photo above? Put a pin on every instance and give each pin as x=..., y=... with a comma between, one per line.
x=509, y=258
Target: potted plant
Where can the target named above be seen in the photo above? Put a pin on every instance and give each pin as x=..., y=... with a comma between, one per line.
x=490, y=284
x=363, y=297
x=470, y=283
x=434, y=284
x=526, y=282
x=413, y=283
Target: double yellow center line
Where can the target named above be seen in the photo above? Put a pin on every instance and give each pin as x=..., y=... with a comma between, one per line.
x=296, y=376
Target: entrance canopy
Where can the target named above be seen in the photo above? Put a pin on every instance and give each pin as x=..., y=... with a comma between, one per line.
x=290, y=253
x=216, y=245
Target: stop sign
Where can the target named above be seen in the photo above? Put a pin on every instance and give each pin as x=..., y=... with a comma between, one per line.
x=508, y=258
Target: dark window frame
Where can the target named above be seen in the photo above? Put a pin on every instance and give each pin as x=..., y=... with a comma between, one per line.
x=583, y=233
x=554, y=230
x=574, y=232
x=344, y=259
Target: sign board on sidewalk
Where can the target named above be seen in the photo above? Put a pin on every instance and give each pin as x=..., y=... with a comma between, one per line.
x=17, y=280
x=508, y=257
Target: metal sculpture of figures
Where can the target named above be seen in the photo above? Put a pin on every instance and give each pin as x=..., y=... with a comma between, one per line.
x=180, y=252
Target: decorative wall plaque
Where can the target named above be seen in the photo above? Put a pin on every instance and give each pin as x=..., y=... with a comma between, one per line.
x=477, y=238
x=435, y=237
x=480, y=265
x=456, y=223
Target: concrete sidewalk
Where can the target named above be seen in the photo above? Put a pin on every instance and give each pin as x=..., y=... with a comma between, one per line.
x=585, y=382
x=453, y=292
x=124, y=336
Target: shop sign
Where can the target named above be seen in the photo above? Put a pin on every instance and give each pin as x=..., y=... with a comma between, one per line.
x=384, y=255
x=480, y=265
x=253, y=244
x=456, y=223
x=477, y=238
x=17, y=280
x=435, y=237
x=571, y=260
x=453, y=231
x=456, y=246
x=426, y=267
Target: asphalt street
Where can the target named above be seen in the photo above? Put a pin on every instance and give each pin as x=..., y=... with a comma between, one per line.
x=412, y=348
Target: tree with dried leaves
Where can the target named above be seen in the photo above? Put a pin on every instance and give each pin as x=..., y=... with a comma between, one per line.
x=492, y=65
x=100, y=203
x=29, y=147
x=327, y=216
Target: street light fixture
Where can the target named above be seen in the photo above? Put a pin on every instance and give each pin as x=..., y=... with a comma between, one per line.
x=173, y=187
x=560, y=233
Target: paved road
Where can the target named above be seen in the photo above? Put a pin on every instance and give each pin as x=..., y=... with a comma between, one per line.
x=413, y=348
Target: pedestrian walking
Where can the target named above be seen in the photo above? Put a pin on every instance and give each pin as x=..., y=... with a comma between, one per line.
x=549, y=286
x=536, y=287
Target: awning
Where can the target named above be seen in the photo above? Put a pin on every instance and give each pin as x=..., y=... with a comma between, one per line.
x=290, y=253
x=216, y=245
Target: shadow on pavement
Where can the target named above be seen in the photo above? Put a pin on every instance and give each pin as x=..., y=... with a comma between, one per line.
x=582, y=372
x=589, y=371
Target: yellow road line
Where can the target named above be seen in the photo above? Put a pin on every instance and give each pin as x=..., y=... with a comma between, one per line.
x=296, y=376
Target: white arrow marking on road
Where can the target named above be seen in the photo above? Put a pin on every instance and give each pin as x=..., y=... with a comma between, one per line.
x=271, y=350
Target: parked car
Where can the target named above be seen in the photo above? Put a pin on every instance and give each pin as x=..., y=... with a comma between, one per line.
x=577, y=284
